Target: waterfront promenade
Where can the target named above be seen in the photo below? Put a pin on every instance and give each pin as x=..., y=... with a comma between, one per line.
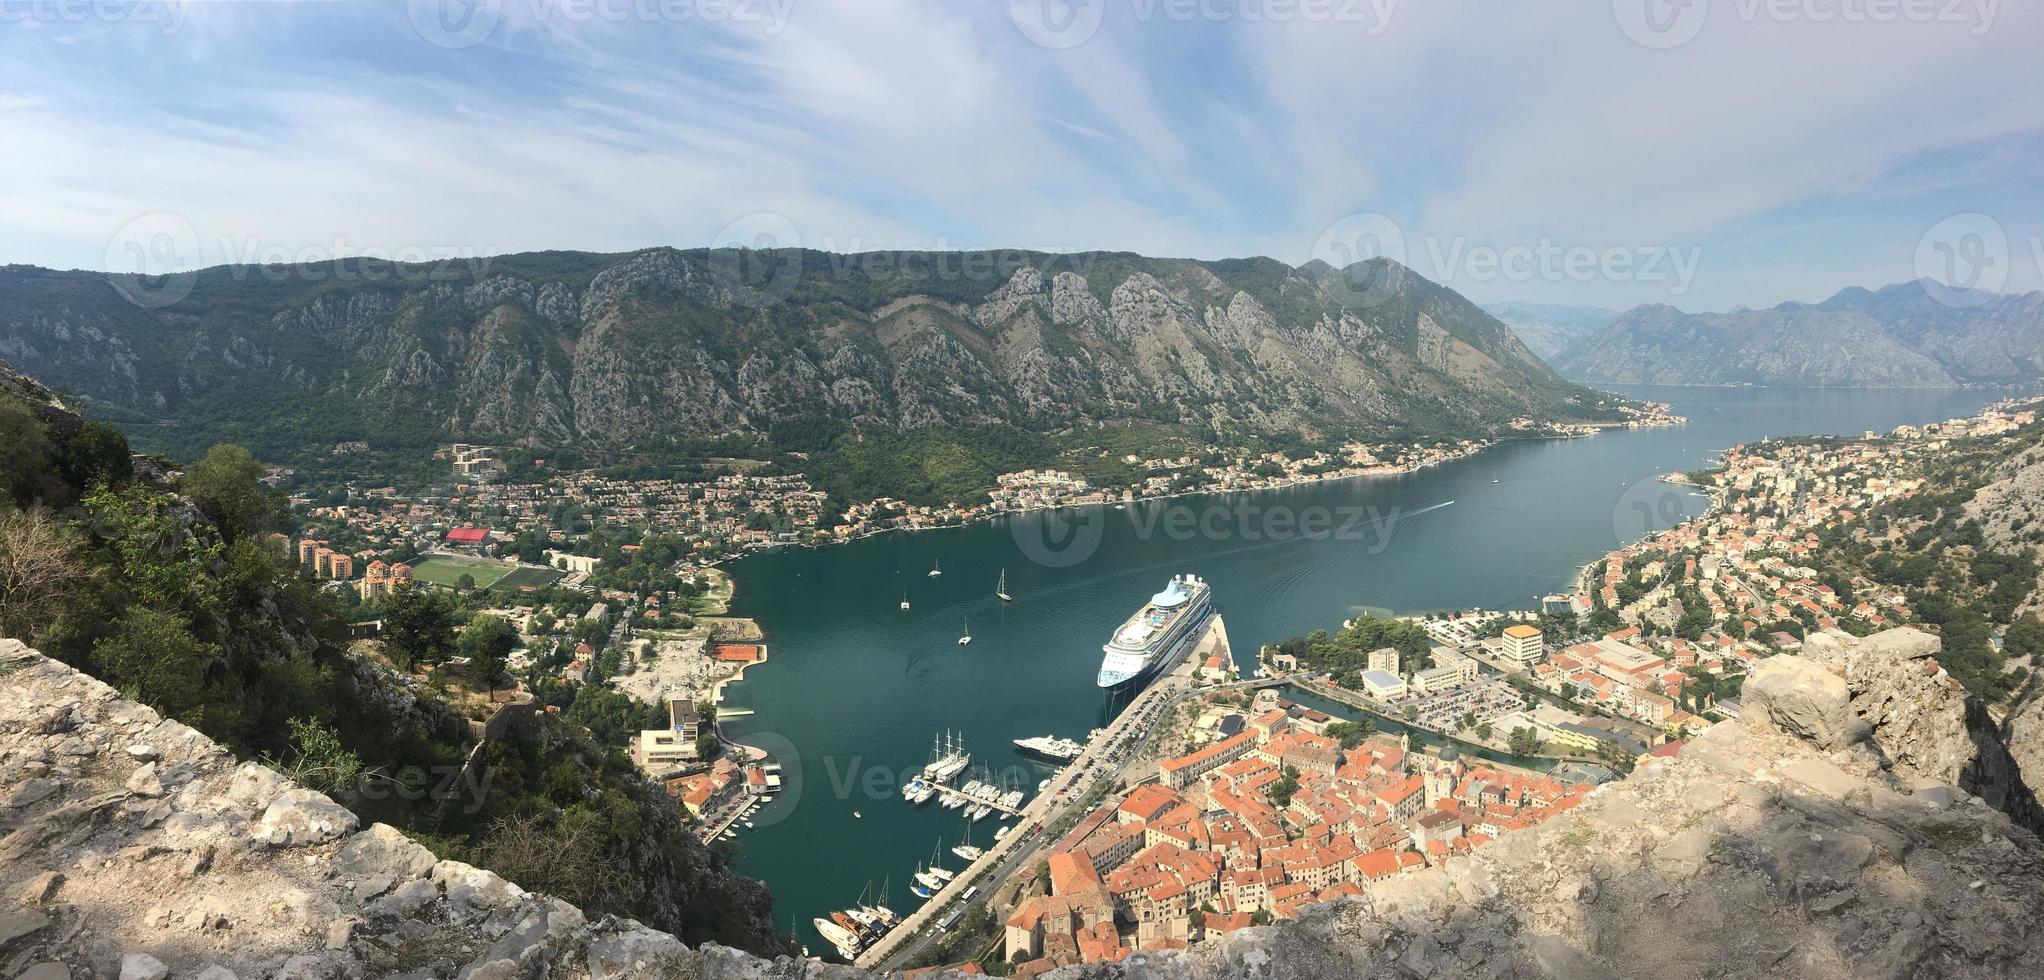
x=1101, y=761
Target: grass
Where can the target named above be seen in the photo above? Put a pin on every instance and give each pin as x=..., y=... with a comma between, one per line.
x=445, y=571
x=520, y=577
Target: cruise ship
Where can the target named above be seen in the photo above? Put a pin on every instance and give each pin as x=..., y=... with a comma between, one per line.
x=1157, y=634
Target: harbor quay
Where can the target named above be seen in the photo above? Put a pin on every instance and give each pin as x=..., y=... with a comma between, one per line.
x=1070, y=791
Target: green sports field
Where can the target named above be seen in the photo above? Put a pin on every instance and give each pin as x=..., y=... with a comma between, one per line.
x=522, y=577
x=443, y=570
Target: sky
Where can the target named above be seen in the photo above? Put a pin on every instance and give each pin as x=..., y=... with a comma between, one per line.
x=1699, y=153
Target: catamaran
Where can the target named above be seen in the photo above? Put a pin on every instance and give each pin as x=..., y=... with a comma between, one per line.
x=904, y=600
x=936, y=569
x=1001, y=588
x=967, y=636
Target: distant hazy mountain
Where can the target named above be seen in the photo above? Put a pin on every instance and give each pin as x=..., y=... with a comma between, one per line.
x=1896, y=336
x=1548, y=328
x=652, y=349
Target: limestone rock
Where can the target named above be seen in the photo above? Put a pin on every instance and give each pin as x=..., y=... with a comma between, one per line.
x=1801, y=697
x=142, y=966
x=301, y=817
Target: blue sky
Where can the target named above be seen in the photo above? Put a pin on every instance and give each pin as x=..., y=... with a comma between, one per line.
x=1739, y=152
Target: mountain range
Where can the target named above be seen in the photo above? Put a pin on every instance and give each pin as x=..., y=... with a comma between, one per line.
x=1549, y=328
x=1909, y=335
x=648, y=350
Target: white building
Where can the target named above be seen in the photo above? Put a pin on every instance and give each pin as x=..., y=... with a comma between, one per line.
x=1383, y=684
x=1522, y=645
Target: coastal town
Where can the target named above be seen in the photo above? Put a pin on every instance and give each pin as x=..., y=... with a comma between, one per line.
x=479, y=510
x=1247, y=805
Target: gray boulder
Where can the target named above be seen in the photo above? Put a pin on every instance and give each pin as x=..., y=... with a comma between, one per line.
x=1803, y=698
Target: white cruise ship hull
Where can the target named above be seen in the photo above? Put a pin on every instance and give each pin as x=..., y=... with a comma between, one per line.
x=1158, y=634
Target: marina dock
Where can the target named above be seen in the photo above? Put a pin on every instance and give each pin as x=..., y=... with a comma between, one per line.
x=1022, y=843
x=947, y=792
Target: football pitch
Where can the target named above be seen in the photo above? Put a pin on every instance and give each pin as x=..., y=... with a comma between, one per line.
x=445, y=571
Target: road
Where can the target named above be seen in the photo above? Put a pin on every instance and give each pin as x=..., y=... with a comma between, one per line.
x=1103, y=762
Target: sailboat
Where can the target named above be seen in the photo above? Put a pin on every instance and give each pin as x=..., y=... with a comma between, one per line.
x=926, y=884
x=904, y=600
x=941, y=873
x=965, y=850
x=967, y=636
x=1001, y=588
x=936, y=569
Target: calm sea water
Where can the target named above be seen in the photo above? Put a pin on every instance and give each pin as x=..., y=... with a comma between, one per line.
x=856, y=688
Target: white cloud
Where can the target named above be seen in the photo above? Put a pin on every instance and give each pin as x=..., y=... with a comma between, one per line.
x=1799, y=157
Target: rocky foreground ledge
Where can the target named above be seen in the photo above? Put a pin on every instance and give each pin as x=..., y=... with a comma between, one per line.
x=1829, y=836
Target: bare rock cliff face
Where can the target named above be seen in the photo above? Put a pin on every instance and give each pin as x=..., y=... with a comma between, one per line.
x=134, y=846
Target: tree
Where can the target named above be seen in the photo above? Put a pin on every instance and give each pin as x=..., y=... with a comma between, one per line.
x=1483, y=731
x=486, y=642
x=97, y=454
x=466, y=582
x=153, y=658
x=1523, y=741
x=1350, y=733
x=1468, y=720
x=38, y=571
x=226, y=485
x=1280, y=791
x=418, y=626
x=319, y=761
x=24, y=454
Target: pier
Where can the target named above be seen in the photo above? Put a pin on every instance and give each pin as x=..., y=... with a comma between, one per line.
x=1068, y=789
x=946, y=792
